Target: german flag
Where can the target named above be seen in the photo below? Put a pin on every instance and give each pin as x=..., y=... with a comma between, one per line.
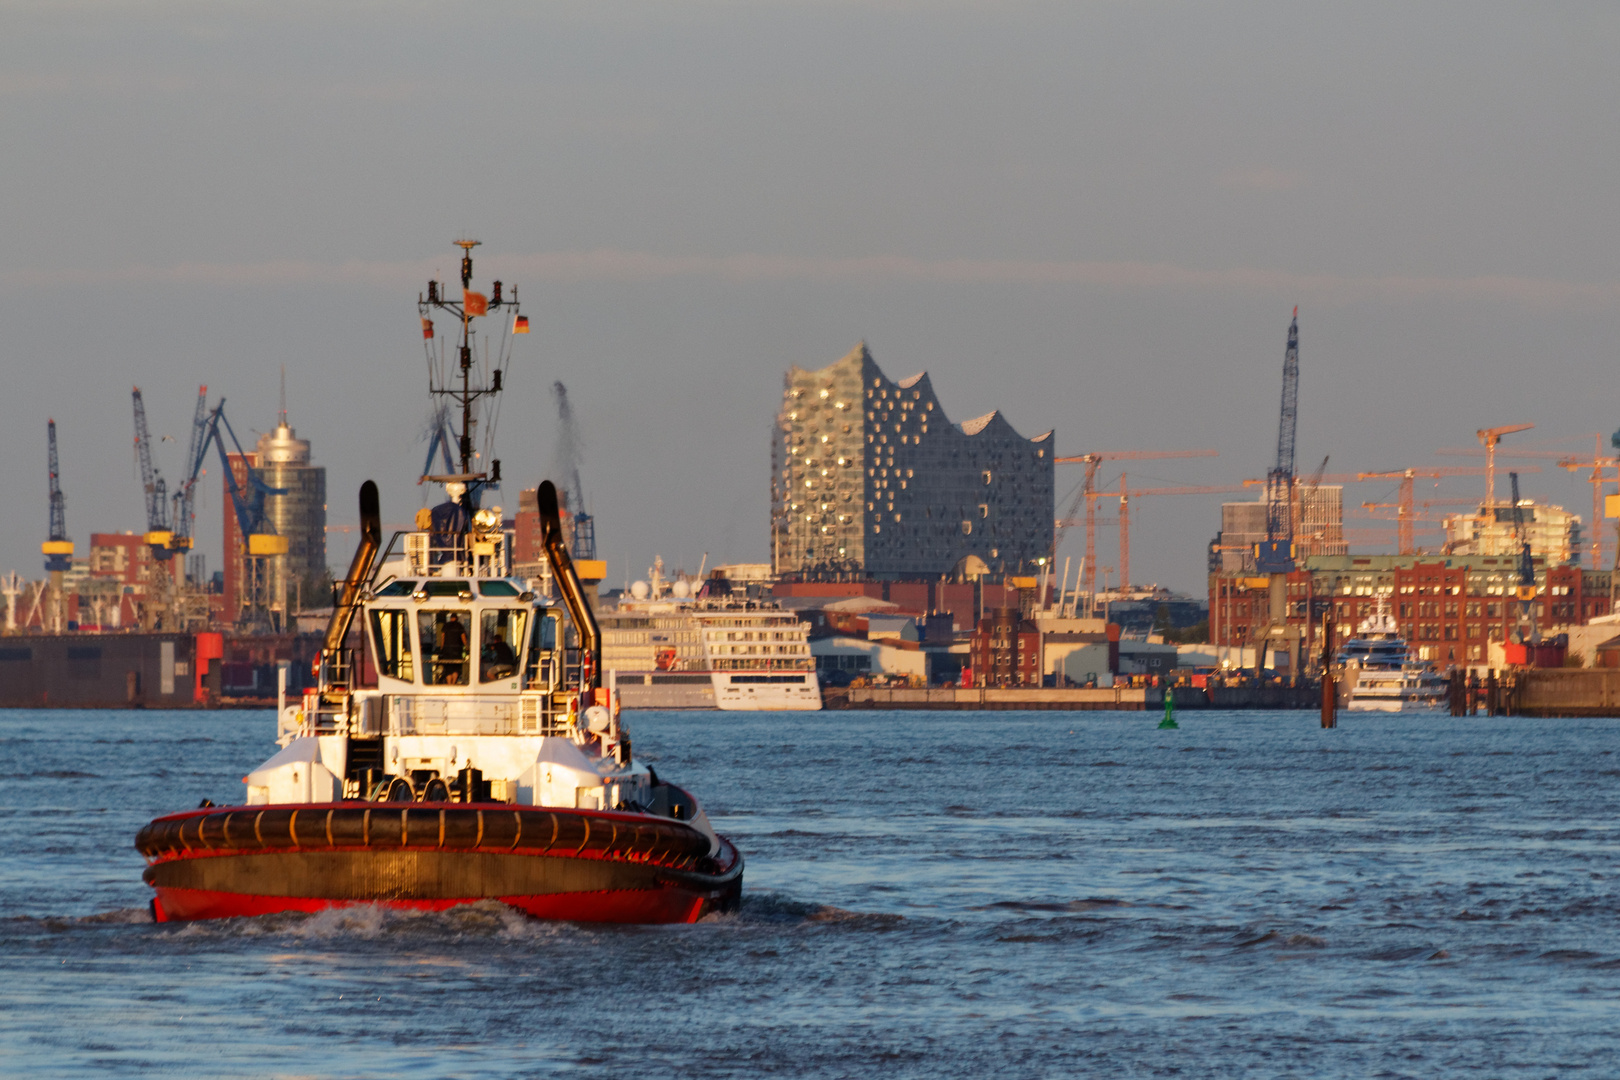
x=520, y=325
x=427, y=329
x=474, y=303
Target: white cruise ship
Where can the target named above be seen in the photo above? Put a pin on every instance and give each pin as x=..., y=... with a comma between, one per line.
x=664, y=648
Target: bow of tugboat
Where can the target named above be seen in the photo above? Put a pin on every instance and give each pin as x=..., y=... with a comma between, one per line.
x=460, y=746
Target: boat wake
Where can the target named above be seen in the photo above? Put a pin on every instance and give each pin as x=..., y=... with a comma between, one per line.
x=486, y=919
x=767, y=908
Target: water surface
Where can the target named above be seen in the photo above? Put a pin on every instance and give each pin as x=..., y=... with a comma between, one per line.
x=928, y=894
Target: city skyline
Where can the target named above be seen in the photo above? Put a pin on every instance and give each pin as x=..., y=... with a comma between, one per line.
x=1094, y=218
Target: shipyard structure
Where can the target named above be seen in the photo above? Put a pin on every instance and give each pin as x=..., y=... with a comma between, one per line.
x=870, y=479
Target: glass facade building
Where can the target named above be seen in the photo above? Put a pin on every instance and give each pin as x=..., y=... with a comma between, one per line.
x=870, y=478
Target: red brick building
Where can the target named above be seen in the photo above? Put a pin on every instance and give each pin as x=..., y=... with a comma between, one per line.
x=235, y=593
x=1006, y=650
x=123, y=557
x=1448, y=608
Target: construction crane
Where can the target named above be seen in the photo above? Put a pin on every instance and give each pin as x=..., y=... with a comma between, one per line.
x=1597, y=463
x=1275, y=554
x=258, y=533
x=1125, y=494
x=1403, y=501
x=58, y=550
x=259, y=537
x=158, y=533
x=1089, y=495
x=1489, y=437
x=567, y=455
x=1526, y=591
x=183, y=517
x=1406, y=516
x=439, y=443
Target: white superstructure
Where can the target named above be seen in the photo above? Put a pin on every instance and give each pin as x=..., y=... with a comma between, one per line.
x=674, y=651
x=1383, y=674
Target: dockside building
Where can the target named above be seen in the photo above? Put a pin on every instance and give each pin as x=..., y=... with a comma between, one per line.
x=871, y=479
x=1449, y=608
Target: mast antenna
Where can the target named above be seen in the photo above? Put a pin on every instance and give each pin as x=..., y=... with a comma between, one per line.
x=463, y=387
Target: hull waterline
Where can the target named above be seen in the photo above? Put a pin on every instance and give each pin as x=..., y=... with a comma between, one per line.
x=583, y=866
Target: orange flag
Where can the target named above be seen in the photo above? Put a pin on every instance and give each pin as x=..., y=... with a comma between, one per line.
x=427, y=329
x=474, y=303
x=520, y=325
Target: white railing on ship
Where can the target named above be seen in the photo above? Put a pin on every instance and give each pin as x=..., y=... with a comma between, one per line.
x=474, y=557
x=410, y=714
x=529, y=714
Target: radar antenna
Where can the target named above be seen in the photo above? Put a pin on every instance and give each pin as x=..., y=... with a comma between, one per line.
x=458, y=385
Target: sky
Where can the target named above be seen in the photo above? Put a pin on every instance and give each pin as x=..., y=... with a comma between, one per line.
x=1095, y=217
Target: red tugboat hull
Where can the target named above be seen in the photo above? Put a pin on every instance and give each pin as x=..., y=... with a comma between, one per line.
x=573, y=865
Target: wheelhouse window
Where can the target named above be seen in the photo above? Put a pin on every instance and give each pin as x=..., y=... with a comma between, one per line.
x=391, y=634
x=445, y=641
x=541, y=663
x=500, y=642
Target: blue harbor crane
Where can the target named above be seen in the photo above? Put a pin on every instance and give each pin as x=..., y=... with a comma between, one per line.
x=1526, y=590
x=158, y=534
x=573, y=488
x=58, y=550
x=259, y=537
x=258, y=532
x=183, y=517
x=1275, y=555
x=440, y=444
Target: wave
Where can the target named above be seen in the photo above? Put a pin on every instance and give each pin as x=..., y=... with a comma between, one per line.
x=777, y=909
x=484, y=920
x=1090, y=903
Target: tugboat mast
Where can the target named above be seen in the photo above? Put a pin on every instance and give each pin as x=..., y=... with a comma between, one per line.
x=466, y=394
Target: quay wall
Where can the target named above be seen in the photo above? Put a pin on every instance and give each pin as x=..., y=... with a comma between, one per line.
x=91, y=671
x=1127, y=698
x=1564, y=692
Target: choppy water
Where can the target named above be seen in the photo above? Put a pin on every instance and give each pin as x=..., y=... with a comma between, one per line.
x=928, y=894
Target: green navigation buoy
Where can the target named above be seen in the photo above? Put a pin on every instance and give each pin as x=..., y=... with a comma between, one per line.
x=1169, y=720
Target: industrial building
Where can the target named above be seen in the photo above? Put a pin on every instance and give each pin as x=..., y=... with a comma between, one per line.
x=1449, y=608
x=1318, y=527
x=1554, y=533
x=280, y=462
x=871, y=479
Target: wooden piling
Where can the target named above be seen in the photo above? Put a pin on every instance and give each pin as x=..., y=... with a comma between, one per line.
x=1330, y=686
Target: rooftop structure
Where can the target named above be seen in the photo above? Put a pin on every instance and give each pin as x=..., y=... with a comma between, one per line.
x=871, y=479
x=1318, y=527
x=1553, y=532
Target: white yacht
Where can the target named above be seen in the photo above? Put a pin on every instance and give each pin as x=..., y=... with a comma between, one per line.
x=668, y=646
x=1383, y=675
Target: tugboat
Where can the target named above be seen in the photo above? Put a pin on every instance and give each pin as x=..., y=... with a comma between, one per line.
x=460, y=747
x=1385, y=676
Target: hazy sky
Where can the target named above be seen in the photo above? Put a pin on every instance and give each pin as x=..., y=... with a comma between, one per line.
x=1094, y=217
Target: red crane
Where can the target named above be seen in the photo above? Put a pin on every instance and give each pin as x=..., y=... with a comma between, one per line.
x=1597, y=464
x=1403, y=502
x=1490, y=437
x=1089, y=494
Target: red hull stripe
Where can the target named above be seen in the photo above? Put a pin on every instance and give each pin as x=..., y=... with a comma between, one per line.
x=615, y=906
